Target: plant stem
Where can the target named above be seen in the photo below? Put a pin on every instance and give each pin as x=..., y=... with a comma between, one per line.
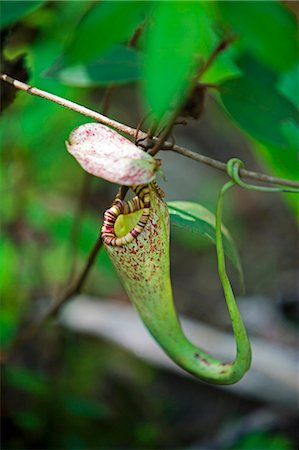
x=77, y=220
x=219, y=165
x=220, y=47
x=69, y=104
x=70, y=292
x=164, y=135
x=141, y=135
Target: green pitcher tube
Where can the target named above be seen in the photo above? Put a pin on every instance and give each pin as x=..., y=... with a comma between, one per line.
x=143, y=266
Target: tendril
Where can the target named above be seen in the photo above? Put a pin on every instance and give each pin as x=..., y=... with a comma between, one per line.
x=233, y=170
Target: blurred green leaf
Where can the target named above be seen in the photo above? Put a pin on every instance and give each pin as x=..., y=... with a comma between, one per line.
x=28, y=420
x=57, y=224
x=26, y=380
x=12, y=11
x=118, y=65
x=266, y=28
x=72, y=440
x=264, y=441
x=12, y=297
x=256, y=105
x=8, y=263
x=8, y=327
x=289, y=85
x=260, y=103
x=195, y=218
x=223, y=67
x=173, y=41
x=146, y=435
x=106, y=24
x=53, y=39
x=55, y=264
x=87, y=408
x=282, y=162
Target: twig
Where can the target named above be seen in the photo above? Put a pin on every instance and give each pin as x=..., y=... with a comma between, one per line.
x=69, y=104
x=152, y=129
x=133, y=41
x=132, y=131
x=70, y=292
x=107, y=98
x=220, y=47
x=122, y=192
x=222, y=166
x=76, y=227
x=164, y=135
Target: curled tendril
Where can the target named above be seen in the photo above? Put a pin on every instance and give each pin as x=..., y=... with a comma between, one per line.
x=233, y=170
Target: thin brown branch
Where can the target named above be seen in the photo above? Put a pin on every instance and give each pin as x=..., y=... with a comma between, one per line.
x=133, y=41
x=219, y=49
x=78, y=215
x=258, y=176
x=151, y=131
x=76, y=287
x=70, y=292
x=107, y=98
x=163, y=136
x=69, y=104
x=122, y=192
x=132, y=131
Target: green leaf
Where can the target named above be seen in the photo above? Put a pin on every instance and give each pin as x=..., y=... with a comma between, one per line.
x=172, y=44
x=106, y=24
x=195, y=218
x=26, y=380
x=8, y=264
x=263, y=440
x=12, y=11
x=288, y=85
x=85, y=408
x=256, y=105
x=28, y=420
x=266, y=29
x=118, y=65
x=8, y=327
x=223, y=67
x=284, y=163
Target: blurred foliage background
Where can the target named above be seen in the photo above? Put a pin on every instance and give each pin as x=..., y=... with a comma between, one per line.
x=64, y=389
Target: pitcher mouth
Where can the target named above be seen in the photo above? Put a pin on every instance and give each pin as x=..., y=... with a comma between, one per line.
x=114, y=235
